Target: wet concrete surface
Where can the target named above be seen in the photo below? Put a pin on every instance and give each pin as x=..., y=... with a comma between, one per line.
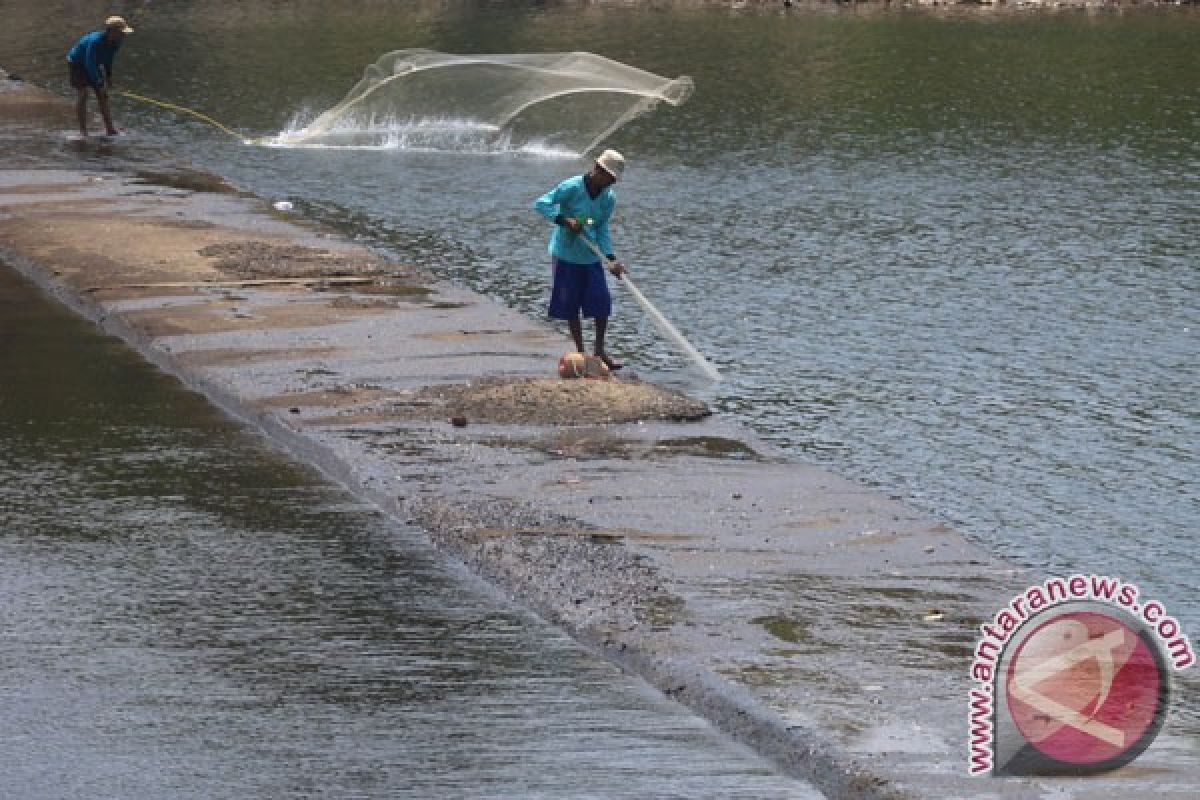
x=190, y=614
x=826, y=625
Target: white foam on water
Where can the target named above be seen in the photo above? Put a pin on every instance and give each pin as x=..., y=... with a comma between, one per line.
x=434, y=135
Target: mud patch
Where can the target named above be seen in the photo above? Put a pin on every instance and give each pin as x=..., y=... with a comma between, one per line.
x=896, y=614
x=784, y=628
x=37, y=188
x=189, y=224
x=544, y=401
x=256, y=259
x=595, y=534
x=390, y=286
x=707, y=447
x=351, y=302
x=222, y=317
x=71, y=244
x=187, y=180
x=335, y=397
x=234, y=356
x=576, y=443
x=599, y=443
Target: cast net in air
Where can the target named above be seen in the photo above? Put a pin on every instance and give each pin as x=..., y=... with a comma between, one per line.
x=422, y=99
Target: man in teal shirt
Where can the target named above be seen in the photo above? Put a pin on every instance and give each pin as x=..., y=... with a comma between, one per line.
x=90, y=64
x=582, y=207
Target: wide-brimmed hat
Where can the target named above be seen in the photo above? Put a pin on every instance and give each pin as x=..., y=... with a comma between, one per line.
x=117, y=23
x=611, y=162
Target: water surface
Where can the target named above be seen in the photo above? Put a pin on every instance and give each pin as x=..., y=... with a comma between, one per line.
x=951, y=254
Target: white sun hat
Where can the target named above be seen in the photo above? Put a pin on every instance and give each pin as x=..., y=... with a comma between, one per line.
x=119, y=23
x=611, y=162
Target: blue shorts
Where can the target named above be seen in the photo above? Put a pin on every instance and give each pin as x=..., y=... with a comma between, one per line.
x=579, y=288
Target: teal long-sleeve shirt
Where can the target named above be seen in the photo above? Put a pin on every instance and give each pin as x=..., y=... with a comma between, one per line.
x=571, y=199
x=91, y=52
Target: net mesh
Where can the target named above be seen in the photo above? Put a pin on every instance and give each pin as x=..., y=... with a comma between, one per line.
x=427, y=99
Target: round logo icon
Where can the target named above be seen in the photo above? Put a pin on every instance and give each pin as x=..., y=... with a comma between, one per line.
x=1087, y=690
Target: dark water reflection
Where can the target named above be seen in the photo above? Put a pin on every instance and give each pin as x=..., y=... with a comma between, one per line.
x=185, y=614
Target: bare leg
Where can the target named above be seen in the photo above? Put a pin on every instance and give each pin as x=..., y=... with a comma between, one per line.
x=102, y=99
x=601, y=329
x=81, y=110
x=576, y=327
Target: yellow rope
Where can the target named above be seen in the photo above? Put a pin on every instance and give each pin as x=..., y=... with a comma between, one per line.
x=182, y=110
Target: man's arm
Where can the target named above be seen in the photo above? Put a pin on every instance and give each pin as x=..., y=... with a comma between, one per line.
x=604, y=243
x=109, y=55
x=91, y=65
x=548, y=205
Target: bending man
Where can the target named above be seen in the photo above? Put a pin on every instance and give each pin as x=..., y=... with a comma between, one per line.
x=582, y=206
x=90, y=63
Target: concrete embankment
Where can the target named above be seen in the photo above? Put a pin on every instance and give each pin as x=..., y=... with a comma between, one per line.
x=826, y=625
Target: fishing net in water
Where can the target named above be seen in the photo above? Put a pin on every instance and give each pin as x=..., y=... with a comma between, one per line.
x=422, y=99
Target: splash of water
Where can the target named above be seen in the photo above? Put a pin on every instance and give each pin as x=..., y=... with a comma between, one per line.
x=549, y=103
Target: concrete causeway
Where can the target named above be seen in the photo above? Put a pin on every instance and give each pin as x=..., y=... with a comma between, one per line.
x=826, y=625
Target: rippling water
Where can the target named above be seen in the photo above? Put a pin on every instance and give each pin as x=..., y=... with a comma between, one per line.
x=952, y=254
x=186, y=615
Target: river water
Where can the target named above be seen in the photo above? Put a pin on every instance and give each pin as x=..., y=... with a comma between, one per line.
x=949, y=253
x=188, y=615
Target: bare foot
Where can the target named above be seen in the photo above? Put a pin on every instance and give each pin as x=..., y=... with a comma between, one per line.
x=609, y=362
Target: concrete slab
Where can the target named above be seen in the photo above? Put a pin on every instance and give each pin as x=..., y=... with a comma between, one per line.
x=825, y=624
